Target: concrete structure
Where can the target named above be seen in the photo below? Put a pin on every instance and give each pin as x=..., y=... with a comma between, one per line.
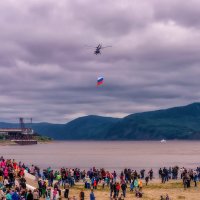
x=22, y=136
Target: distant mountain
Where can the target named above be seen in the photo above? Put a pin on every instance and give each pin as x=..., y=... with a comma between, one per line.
x=83, y=128
x=173, y=123
x=89, y=127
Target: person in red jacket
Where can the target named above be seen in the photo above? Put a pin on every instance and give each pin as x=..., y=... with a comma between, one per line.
x=117, y=188
x=95, y=184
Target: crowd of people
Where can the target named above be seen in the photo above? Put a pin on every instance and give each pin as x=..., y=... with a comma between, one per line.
x=12, y=181
x=186, y=175
x=52, y=183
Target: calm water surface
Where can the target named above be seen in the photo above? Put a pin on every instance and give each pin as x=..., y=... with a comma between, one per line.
x=110, y=155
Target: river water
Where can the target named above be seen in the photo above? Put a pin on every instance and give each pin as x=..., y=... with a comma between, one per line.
x=107, y=154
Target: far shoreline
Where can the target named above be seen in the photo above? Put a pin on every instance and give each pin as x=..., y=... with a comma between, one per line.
x=8, y=142
x=86, y=140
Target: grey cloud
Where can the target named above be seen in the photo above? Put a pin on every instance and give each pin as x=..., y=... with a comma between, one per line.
x=185, y=13
x=47, y=73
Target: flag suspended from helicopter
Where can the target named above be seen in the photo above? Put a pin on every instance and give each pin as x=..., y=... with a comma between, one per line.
x=100, y=81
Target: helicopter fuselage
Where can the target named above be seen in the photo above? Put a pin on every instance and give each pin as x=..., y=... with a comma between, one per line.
x=97, y=51
x=98, y=48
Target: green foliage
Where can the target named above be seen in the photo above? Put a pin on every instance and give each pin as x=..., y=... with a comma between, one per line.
x=42, y=138
x=2, y=137
x=174, y=123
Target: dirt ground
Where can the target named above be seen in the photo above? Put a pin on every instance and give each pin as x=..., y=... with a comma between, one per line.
x=153, y=191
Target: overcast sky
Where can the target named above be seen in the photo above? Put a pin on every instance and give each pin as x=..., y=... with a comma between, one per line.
x=47, y=73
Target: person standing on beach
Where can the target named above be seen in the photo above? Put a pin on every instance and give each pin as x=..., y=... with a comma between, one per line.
x=136, y=183
x=147, y=180
x=117, y=189
x=50, y=179
x=36, y=194
x=66, y=193
x=151, y=174
x=111, y=188
x=2, y=195
x=48, y=193
x=131, y=186
x=124, y=186
x=114, y=176
x=92, y=197
x=44, y=187
x=8, y=195
x=82, y=195
x=95, y=184
x=142, y=173
x=40, y=188
x=103, y=183
x=162, y=177
x=1, y=175
x=140, y=184
x=15, y=195
x=55, y=192
x=195, y=179
x=161, y=197
x=160, y=173
x=29, y=195
x=167, y=197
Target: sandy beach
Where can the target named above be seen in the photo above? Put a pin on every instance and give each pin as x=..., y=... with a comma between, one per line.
x=153, y=191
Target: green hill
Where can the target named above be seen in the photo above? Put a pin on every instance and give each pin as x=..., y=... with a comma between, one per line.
x=83, y=128
x=89, y=127
x=173, y=123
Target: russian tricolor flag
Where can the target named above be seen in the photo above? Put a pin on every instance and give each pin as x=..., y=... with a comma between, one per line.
x=100, y=81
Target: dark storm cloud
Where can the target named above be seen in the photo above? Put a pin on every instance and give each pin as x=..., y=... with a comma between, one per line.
x=47, y=72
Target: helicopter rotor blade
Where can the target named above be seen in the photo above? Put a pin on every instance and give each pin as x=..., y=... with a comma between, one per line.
x=106, y=47
x=88, y=46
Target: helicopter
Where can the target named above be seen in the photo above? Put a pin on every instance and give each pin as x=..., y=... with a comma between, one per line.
x=98, y=48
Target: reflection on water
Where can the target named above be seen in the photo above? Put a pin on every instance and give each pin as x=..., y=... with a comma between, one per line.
x=110, y=154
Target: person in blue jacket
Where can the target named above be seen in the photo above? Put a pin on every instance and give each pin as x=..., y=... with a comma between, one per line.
x=195, y=179
x=92, y=197
x=15, y=196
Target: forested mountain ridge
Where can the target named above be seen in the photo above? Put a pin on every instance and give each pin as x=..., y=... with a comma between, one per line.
x=173, y=123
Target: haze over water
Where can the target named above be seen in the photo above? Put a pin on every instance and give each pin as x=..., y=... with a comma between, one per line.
x=107, y=154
